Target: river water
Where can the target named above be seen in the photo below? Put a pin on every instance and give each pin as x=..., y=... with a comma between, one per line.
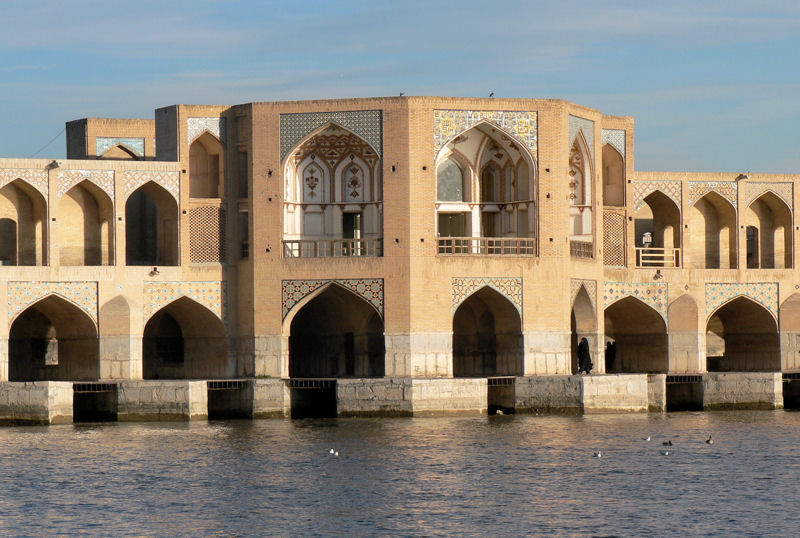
x=511, y=475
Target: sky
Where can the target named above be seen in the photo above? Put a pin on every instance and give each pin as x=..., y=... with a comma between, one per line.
x=713, y=85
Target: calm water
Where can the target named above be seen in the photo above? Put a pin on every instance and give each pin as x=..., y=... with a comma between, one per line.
x=489, y=475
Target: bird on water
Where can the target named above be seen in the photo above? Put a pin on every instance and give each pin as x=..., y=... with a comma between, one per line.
x=709, y=441
x=667, y=443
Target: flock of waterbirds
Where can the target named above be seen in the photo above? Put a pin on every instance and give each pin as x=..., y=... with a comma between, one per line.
x=667, y=443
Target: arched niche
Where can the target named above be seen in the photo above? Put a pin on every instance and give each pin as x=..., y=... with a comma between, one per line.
x=486, y=185
x=206, y=167
x=640, y=336
x=53, y=340
x=120, y=152
x=742, y=336
x=580, y=185
x=151, y=227
x=23, y=211
x=336, y=333
x=487, y=336
x=613, y=177
x=333, y=189
x=768, y=224
x=185, y=340
x=658, y=220
x=712, y=233
x=583, y=324
x=85, y=226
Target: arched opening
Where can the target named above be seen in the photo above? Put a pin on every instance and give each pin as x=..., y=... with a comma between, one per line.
x=151, y=227
x=742, y=336
x=768, y=222
x=53, y=340
x=206, y=167
x=487, y=336
x=185, y=340
x=486, y=194
x=580, y=191
x=333, y=189
x=85, y=215
x=336, y=334
x=790, y=349
x=658, y=232
x=639, y=335
x=120, y=152
x=613, y=177
x=22, y=232
x=712, y=233
x=583, y=324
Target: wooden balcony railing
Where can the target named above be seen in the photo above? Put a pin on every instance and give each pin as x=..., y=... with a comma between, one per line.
x=332, y=248
x=581, y=249
x=658, y=257
x=490, y=246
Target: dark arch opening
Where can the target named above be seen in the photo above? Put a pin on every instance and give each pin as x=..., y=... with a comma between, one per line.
x=639, y=336
x=742, y=336
x=185, y=340
x=336, y=334
x=151, y=227
x=53, y=340
x=487, y=336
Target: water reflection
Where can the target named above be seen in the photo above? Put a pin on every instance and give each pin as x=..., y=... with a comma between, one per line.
x=511, y=475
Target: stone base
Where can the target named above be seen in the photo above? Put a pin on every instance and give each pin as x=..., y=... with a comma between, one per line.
x=743, y=390
x=37, y=402
x=549, y=394
x=657, y=392
x=449, y=396
x=162, y=400
x=615, y=393
x=374, y=397
x=270, y=398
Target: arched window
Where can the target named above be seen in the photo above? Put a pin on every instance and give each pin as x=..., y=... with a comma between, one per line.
x=451, y=182
x=489, y=178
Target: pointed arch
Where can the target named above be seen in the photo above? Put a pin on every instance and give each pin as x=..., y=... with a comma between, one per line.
x=24, y=213
x=712, y=233
x=520, y=144
x=613, y=176
x=86, y=231
x=487, y=335
x=657, y=225
x=583, y=322
x=770, y=247
x=333, y=186
x=324, y=127
x=639, y=333
x=151, y=226
x=120, y=152
x=742, y=335
x=185, y=340
x=334, y=332
x=53, y=340
x=206, y=167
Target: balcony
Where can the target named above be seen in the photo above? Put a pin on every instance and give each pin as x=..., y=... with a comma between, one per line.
x=658, y=257
x=488, y=246
x=332, y=248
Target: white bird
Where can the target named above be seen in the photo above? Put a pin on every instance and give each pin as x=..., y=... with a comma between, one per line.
x=499, y=412
x=598, y=454
x=336, y=453
x=709, y=441
x=647, y=438
x=331, y=451
x=665, y=453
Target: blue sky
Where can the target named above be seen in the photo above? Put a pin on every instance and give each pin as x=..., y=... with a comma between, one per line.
x=713, y=85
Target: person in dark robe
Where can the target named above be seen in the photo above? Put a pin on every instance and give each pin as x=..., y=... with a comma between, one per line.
x=584, y=357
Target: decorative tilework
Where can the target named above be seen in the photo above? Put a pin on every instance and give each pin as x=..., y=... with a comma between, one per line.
x=449, y=123
x=171, y=181
x=102, y=178
x=587, y=126
x=655, y=294
x=371, y=289
x=591, y=290
x=510, y=288
x=215, y=126
x=368, y=124
x=37, y=178
x=753, y=190
x=726, y=189
x=615, y=137
x=23, y=294
x=136, y=145
x=642, y=189
x=212, y=294
x=764, y=293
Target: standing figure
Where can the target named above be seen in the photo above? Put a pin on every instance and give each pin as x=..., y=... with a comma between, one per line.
x=584, y=357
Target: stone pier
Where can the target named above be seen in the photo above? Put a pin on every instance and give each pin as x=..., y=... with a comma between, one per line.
x=162, y=400
x=36, y=402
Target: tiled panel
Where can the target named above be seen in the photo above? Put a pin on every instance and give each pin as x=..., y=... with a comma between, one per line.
x=371, y=289
x=215, y=126
x=615, y=137
x=368, y=124
x=102, y=178
x=642, y=189
x=591, y=290
x=35, y=177
x=212, y=294
x=449, y=123
x=655, y=294
x=23, y=294
x=576, y=125
x=764, y=293
x=171, y=181
x=134, y=144
x=726, y=189
x=510, y=288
